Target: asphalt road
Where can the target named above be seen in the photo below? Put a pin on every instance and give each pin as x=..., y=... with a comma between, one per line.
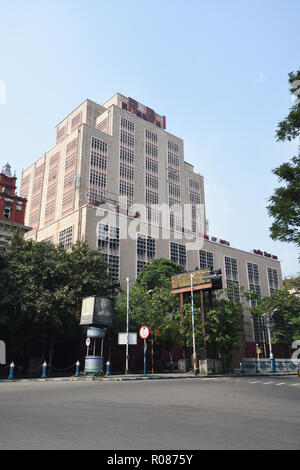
x=194, y=414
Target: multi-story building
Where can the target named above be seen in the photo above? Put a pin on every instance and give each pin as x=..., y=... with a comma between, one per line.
x=118, y=179
x=12, y=207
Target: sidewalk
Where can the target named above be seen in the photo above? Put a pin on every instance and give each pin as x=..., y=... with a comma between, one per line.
x=160, y=376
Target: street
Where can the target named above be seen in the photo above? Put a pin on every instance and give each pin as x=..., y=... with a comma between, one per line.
x=195, y=414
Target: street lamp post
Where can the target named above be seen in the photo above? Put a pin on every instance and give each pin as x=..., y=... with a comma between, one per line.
x=127, y=328
x=268, y=325
x=193, y=328
x=152, y=343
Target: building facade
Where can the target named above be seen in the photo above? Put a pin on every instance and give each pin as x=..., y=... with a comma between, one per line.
x=117, y=178
x=12, y=206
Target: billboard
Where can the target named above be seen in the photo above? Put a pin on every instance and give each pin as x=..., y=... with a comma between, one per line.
x=202, y=278
x=97, y=311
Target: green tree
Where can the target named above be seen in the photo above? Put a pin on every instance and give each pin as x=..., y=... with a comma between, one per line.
x=285, y=202
x=45, y=285
x=151, y=302
x=286, y=318
x=223, y=326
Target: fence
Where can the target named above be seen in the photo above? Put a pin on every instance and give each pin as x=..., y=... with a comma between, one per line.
x=282, y=365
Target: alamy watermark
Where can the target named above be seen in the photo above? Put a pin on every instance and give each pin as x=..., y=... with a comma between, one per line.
x=2, y=352
x=159, y=221
x=296, y=354
x=2, y=92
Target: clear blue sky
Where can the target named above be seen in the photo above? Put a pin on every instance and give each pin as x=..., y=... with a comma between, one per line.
x=217, y=69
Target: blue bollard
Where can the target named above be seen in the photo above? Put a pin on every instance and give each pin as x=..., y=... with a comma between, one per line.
x=11, y=371
x=272, y=364
x=77, y=369
x=241, y=368
x=108, y=372
x=44, y=375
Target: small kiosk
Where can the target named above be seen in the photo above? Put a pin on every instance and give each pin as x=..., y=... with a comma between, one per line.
x=96, y=314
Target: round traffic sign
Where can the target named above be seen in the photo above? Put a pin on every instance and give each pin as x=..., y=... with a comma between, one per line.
x=144, y=332
x=88, y=341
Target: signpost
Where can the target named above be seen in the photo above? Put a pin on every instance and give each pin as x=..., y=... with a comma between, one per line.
x=144, y=333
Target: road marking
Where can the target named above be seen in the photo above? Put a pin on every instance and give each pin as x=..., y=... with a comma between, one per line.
x=267, y=383
x=294, y=385
x=281, y=383
x=256, y=382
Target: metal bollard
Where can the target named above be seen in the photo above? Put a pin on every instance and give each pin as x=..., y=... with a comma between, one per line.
x=241, y=368
x=272, y=364
x=77, y=369
x=11, y=371
x=44, y=375
x=108, y=372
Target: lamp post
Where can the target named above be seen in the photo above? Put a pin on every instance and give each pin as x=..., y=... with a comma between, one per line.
x=152, y=342
x=193, y=329
x=268, y=325
x=127, y=328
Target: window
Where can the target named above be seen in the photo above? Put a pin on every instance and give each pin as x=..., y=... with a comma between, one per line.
x=273, y=280
x=151, y=165
x=194, y=185
x=151, y=150
x=259, y=330
x=69, y=179
x=151, y=197
x=173, y=174
x=65, y=237
x=99, y=145
x=113, y=267
x=232, y=278
x=174, y=190
x=139, y=265
x=97, y=179
x=145, y=250
x=76, y=121
x=126, y=155
x=126, y=189
x=173, y=160
x=254, y=284
x=109, y=243
x=126, y=171
x=151, y=181
x=70, y=161
x=178, y=253
x=126, y=124
x=172, y=146
x=206, y=259
x=7, y=212
x=195, y=198
x=127, y=139
x=151, y=136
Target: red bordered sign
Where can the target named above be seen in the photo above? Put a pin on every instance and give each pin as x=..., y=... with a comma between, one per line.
x=144, y=332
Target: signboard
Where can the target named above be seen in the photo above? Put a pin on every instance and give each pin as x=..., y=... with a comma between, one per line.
x=202, y=278
x=97, y=311
x=88, y=342
x=144, y=332
x=122, y=338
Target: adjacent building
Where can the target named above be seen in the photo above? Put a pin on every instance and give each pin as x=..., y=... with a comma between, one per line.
x=12, y=206
x=117, y=178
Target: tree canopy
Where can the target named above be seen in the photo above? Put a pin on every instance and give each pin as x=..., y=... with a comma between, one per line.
x=285, y=202
x=42, y=287
x=286, y=317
